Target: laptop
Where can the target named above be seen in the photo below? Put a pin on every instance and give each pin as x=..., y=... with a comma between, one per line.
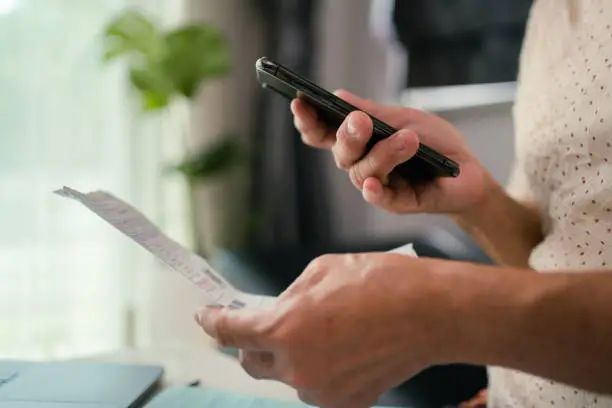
x=76, y=384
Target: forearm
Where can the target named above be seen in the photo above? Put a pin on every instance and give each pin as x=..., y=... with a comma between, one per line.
x=506, y=229
x=554, y=325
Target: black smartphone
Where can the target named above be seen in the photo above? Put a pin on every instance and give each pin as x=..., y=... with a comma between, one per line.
x=426, y=165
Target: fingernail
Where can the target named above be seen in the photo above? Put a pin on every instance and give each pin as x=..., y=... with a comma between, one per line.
x=399, y=141
x=207, y=310
x=351, y=127
x=207, y=318
x=368, y=193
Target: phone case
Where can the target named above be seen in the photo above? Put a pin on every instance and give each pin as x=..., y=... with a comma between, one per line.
x=426, y=165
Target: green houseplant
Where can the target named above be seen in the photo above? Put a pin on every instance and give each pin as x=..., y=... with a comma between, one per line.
x=166, y=66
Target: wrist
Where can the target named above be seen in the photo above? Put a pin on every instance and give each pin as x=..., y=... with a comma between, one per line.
x=488, y=309
x=451, y=295
x=505, y=228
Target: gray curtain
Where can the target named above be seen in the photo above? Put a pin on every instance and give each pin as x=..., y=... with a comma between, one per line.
x=286, y=183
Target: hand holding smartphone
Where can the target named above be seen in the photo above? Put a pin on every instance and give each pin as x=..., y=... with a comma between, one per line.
x=426, y=165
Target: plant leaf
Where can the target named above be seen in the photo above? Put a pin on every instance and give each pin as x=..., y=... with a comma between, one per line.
x=151, y=101
x=154, y=86
x=134, y=34
x=195, y=53
x=213, y=160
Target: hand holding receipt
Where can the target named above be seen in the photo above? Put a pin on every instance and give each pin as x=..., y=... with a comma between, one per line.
x=351, y=304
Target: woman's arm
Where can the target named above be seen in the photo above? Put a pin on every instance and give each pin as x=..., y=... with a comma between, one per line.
x=554, y=325
x=506, y=229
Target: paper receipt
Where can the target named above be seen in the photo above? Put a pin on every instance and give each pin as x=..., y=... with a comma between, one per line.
x=135, y=225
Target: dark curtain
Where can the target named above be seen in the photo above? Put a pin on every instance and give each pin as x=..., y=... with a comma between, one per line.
x=456, y=42
x=286, y=184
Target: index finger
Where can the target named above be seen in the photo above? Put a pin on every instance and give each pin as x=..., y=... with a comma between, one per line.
x=314, y=132
x=244, y=329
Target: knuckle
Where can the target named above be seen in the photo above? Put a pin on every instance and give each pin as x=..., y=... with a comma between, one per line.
x=371, y=165
x=307, y=140
x=282, y=334
x=282, y=338
x=357, y=175
x=319, y=264
x=338, y=157
x=276, y=332
x=223, y=337
x=318, y=269
x=327, y=258
x=311, y=136
x=355, y=259
x=382, y=158
x=316, y=264
x=412, y=114
x=408, y=113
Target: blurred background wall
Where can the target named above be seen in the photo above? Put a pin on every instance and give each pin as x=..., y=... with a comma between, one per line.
x=78, y=123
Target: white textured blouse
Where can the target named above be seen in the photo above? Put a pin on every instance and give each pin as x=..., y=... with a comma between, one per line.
x=563, y=123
